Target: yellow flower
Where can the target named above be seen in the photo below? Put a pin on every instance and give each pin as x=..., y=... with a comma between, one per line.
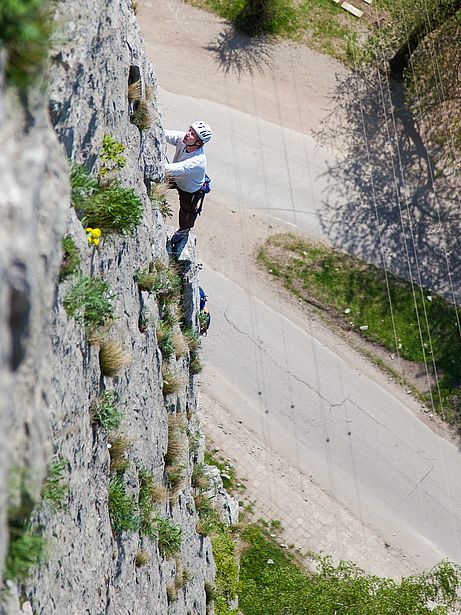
x=89, y=229
x=96, y=232
x=90, y=239
x=96, y=241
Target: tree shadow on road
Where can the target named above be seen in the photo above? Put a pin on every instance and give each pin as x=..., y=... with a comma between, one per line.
x=241, y=54
x=387, y=202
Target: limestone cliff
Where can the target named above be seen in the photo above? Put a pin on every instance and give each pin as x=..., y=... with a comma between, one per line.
x=50, y=365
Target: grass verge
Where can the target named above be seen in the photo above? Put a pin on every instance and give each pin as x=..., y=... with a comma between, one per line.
x=410, y=322
x=272, y=581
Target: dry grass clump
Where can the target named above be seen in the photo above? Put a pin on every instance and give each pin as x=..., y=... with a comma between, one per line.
x=171, y=382
x=142, y=558
x=119, y=446
x=200, y=480
x=142, y=116
x=178, y=444
x=171, y=593
x=113, y=357
x=159, y=190
x=135, y=91
x=195, y=365
x=180, y=344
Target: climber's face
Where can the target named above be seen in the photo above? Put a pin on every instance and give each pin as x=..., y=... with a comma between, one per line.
x=190, y=138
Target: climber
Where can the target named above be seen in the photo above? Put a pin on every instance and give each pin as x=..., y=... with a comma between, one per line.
x=187, y=174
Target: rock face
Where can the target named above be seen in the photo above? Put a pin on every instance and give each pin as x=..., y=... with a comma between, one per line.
x=50, y=374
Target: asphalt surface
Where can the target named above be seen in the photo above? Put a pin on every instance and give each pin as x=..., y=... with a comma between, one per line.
x=318, y=409
x=323, y=415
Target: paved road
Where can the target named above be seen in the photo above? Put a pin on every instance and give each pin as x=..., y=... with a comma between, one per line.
x=362, y=445
x=262, y=166
x=318, y=411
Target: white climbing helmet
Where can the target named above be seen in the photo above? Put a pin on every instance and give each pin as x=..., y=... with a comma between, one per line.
x=203, y=130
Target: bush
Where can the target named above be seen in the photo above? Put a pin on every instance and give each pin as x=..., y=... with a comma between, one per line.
x=200, y=479
x=123, y=510
x=177, y=440
x=141, y=559
x=119, y=446
x=104, y=412
x=89, y=301
x=157, y=195
x=142, y=116
x=268, y=17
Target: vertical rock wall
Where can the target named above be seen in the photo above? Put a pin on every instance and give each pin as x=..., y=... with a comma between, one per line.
x=49, y=371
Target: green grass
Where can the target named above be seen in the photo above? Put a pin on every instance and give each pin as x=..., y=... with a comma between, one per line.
x=169, y=537
x=123, y=509
x=25, y=29
x=321, y=24
x=70, y=258
x=54, y=491
x=89, y=301
x=404, y=322
x=285, y=587
x=227, y=570
x=105, y=413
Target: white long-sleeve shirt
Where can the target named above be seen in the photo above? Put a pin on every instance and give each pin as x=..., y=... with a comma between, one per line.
x=188, y=170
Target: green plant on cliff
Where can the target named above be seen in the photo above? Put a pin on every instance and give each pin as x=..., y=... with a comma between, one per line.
x=89, y=301
x=54, y=490
x=70, y=258
x=165, y=339
x=113, y=209
x=25, y=28
x=109, y=207
x=169, y=537
x=26, y=545
x=82, y=185
x=104, y=411
x=123, y=509
x=111, y=156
